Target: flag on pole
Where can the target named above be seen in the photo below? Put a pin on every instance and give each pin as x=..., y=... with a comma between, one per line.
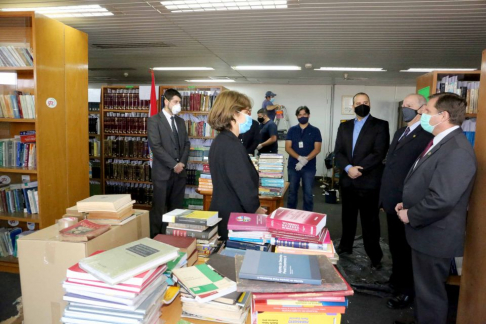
x=153, y=108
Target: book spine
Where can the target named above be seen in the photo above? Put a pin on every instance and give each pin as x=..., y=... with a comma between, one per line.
x=183, y=233
x=246, y=246
x=280, y=279
x=193, y=221
x=291, y=227
x=280, y=309
x=300, y=245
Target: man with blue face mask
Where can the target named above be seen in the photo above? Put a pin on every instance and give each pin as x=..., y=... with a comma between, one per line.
x=435, y=199
x=406, y=146
x=269, y=105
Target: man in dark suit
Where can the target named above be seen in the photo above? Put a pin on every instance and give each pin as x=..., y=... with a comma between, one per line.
x=251, y=139
x=170, y=146
x=361, y=146
x=406, y=146
x=435, y=199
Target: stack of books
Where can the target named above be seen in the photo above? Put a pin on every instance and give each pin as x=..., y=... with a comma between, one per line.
x=208, y=292
x=301, y=232
x=254, y=160
x=83, y=231
x=186, y=245
x=247, y=232
x=292, y=288
x=108, y=209
x=121, y=285
x=201, y=225
x=270, y=168
x=205, y=182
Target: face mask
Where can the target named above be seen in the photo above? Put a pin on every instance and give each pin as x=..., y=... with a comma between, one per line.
x=246, y=125
x=425, y=122
x=260, y=119
x=362, y=110
x=303, y=120
x=176, y=109
x=408, y=114
x=272, y=100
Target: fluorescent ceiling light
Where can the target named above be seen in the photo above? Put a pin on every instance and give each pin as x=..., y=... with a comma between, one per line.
x=9, y=78
x=212, y=80
x=434, y=69
x=356, y=69
x=266, y=67
x=67, y=11
x=222, y=5
x=185, y=68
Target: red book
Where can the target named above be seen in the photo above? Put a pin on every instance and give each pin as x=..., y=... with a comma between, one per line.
x=334, y=299
x=185, y=244
x=263, y=307
x=247, y=222
x=284, y=240
x=206, y=168
x=296, y=221
x=83, y=231
x=281, y=235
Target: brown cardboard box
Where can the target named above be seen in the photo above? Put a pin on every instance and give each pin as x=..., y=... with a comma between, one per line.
x=44, y=259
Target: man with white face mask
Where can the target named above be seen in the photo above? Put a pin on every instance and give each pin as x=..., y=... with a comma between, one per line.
x=170, y=146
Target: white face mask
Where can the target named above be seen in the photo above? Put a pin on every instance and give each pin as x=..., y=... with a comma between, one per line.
x=176, y=109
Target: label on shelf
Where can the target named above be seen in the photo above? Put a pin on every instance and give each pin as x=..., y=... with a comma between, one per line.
x=51, y=102
x=13, y=222
x=5, y=179
x=31, y=226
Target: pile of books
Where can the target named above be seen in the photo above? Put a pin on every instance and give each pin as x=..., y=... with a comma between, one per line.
x=122, y=285
x=82, y=231
x=17, y=197
x=205, y=182
x=247, y=232
x=186, y=245
x=198, y=154
x=301, y=232
x=108, y=209
x=254, y=160
x=208, y=292
x=201, y=225
x=16, y=56
x=292, y=288
x=270, y=168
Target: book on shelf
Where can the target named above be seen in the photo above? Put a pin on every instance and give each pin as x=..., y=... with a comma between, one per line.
x=121, y=263
x=18, y=197
x=198, y=100
x=124, y=99
x=94, y=147
x=128, y=170
x=82, y=231
x=296, y=221
x=14, y=153
x=469, y=90
x=203, y=283
x=258, y=265
x=126, y=147
x=107, y=203
x=141, y=193
x=196, y=217
x=8, y=240
x=17, y=105
x=125, y=123
x=16, y=56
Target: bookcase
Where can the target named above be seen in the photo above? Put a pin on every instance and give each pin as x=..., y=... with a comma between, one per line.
x=427, y=84
x=95, y=142
x=58, y=79
x=196, y=103
x=124, y=148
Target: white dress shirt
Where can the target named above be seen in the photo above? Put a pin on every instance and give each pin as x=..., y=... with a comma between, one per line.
x=439, y=137
x=168, y=116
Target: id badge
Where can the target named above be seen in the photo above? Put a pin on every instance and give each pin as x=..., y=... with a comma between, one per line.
x=301, y=144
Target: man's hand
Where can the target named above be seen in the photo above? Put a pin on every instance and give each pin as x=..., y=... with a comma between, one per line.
x=259, y=147
x=354, y=173
x=303, y=160
x=261, y=210
x=398, y=207
x=298, y=166
x=179, y=168
x=403, y=215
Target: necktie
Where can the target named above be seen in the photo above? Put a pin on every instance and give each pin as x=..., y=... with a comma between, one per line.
x=174, y=132
x=405, y=133
x=426, y=149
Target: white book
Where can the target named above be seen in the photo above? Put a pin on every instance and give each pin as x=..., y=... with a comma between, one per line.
x=111, y=203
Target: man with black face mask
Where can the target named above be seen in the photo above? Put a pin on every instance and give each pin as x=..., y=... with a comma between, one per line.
x=361, y=146
x=407, y=144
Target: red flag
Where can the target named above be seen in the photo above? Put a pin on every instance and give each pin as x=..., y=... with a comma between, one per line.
x=153, y=97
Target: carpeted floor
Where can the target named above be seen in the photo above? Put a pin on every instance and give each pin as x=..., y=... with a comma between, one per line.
x=366, y=307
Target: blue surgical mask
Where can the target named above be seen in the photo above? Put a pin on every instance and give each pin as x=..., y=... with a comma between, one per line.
x=245, y=127
x=425, y=122
x=272, y=100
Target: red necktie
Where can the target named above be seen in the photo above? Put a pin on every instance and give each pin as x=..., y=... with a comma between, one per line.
x=426, y=149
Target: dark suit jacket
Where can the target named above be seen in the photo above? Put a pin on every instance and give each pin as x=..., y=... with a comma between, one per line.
x=251, y=139
x=163, y=146
x=436, y=194
x=369, y=152
x=235, y=179
x=400, y=158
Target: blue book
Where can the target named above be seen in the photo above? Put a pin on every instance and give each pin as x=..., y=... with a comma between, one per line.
x=288, y=268
x=247, y=246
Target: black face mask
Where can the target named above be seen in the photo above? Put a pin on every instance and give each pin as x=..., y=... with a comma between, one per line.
x=408, y=114
x=362, y=110
x=260, y=119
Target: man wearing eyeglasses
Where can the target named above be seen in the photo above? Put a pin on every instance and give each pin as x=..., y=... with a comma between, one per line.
x=406, y=146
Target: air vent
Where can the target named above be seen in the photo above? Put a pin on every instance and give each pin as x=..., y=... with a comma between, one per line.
x=111, y=69
x=132, y=45
x=100, y=78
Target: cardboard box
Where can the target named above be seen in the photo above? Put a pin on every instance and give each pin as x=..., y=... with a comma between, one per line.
x=44, y=259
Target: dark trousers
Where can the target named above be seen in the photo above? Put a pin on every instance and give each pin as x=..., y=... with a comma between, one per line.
x=402, y=272
x=430, y=274
x=366, y=202
x=307, y=177
x=168, y=194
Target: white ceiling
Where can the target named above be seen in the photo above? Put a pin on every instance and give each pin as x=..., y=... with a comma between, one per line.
x=392, y=34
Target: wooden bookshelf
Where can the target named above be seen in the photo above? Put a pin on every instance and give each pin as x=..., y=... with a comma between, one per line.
x=16, y=68
x=127, y=158
x=194, y=112
x=60, y=71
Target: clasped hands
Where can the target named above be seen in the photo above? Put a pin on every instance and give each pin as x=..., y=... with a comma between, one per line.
x=302, y=163
x=179, y=167
x=402, y=213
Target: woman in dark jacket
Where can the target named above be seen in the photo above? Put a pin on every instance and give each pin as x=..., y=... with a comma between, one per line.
x=235, y=179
